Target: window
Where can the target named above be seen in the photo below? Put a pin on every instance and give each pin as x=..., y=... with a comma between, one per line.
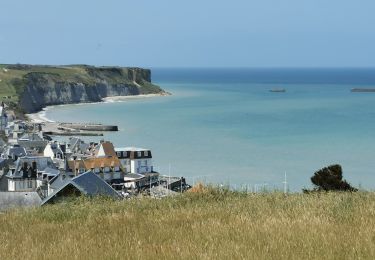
x=139, y=154
x=146, y=153
x=146, y=162
x=29, y=184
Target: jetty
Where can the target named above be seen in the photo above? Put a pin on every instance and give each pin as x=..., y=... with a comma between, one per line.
x=74, y=129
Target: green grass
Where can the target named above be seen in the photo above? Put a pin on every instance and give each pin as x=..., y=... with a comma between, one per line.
x=6, y=86
x=215, y=224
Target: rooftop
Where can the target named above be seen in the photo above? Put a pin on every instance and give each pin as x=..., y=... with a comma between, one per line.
x=87, y=183
x=130, y=148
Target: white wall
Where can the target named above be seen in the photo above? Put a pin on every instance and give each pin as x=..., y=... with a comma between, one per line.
x=48, y=152
x=21, y=184
x=141, y=165
x=125, y=163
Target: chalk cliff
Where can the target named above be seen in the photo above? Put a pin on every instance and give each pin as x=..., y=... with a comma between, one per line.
x=42, y=86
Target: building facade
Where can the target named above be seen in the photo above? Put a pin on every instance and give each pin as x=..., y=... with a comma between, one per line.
x=135, y=160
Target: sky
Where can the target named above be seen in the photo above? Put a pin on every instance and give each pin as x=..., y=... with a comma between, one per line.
x=173, y=33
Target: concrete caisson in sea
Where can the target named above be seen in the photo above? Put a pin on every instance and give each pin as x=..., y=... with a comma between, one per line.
x=280, y=90
x=362, y=90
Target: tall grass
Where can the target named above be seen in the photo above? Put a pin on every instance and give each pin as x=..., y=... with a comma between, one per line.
x=212, y=224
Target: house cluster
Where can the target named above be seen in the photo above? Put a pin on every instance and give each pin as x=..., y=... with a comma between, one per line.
x=32, y=162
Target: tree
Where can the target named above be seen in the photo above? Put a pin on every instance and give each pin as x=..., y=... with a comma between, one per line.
x=330, y=179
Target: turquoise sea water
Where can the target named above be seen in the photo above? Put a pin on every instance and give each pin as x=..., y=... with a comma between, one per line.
x=224, y=126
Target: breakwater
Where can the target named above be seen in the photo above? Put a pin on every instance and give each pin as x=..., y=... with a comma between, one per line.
x=90, y=126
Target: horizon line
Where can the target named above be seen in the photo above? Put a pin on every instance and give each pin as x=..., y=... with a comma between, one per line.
x=197, y=67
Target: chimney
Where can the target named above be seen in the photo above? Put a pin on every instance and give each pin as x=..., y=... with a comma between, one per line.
x=25, y=173
x=63, y=148
x=34, y=167
x=34, y=170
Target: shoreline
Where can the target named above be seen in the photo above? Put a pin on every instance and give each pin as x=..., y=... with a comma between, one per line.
x=132, y=97
x=40, y=117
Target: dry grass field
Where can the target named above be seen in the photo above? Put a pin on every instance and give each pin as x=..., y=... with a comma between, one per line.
x=209, y=224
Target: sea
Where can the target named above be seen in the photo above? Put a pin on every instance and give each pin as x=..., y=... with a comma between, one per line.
x=225, y=126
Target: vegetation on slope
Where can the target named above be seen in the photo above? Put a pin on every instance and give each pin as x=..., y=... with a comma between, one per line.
x=210, y=224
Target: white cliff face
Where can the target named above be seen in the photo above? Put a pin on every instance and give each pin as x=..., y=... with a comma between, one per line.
x=43, y=89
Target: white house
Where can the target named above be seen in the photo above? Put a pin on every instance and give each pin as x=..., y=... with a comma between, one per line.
x=135, y=160
x=53, y=150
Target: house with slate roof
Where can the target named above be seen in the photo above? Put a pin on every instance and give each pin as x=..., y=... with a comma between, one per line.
x=54, y=150
x=14, y=152
x=30, y=172
x=76, y=146
x=33, y=141
x=88, y=184
x=57, y=152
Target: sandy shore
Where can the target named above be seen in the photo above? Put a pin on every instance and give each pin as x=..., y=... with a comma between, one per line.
x=40, y=117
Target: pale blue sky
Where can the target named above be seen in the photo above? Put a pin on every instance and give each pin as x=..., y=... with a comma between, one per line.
x=167, y=33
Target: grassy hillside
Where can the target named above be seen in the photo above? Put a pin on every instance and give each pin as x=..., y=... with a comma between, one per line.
x=12, y=79
x=215, y=224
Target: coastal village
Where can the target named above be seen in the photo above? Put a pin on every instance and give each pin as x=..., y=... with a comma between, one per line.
x=37, y=170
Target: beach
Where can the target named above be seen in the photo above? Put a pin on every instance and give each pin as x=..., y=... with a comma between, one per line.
x=40, y=117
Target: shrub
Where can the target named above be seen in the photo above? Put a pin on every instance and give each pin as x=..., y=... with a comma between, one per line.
x=330, y=179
